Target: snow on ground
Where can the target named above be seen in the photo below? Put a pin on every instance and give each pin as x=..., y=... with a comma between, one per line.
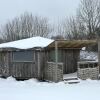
x=10, y=89
x=72, y=75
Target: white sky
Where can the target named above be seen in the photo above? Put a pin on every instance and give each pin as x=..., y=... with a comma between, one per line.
x=53, y=9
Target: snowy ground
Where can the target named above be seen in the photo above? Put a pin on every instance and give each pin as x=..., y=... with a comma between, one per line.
x=10, y=89
x=73, y=75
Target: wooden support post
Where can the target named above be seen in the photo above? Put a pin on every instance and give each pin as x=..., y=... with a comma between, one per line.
x=56, y=52
x=99, y=54
x=38, y=54
x=56, y=58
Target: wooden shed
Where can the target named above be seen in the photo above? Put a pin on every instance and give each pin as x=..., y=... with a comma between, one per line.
x=27, y=58
x=23, y=59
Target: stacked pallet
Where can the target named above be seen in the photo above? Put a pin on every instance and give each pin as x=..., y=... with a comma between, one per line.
x=88, y=70
x=54, y=73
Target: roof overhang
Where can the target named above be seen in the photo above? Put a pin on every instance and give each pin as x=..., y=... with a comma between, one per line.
x=72, y=43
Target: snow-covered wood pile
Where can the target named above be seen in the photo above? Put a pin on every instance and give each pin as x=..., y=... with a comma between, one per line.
x=85, y=55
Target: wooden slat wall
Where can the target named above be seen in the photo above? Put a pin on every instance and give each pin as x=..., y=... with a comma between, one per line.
x=22, y=70
x=36, y=68
x=69, y=59
x=99, y=54
x=26, y=70
x=40, y=63
x=4, y=64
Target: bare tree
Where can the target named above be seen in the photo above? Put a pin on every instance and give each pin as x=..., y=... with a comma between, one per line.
x=71, y=28
x=86, y=25
x=25, y=26
x=89, y=15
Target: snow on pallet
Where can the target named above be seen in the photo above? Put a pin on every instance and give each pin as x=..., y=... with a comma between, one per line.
x=71, y=81
x=71, y=78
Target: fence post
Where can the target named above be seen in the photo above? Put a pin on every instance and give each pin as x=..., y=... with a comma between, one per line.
x=56, y=59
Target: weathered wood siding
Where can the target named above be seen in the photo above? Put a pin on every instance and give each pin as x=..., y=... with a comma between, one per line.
x=4, y=64
x=21, y=69
x=69, y=58
x=26, y=69
x=36, y=68
x=40, y=63
x=99, y=54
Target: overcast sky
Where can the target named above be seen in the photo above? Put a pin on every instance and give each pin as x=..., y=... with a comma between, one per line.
x=53, y=9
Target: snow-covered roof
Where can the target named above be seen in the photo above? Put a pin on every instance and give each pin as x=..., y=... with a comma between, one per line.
x=28, y=43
